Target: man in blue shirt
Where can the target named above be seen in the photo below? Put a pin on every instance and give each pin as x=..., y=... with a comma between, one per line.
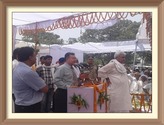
x=28, y=87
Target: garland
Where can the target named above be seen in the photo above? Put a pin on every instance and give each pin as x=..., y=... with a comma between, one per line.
x=148, y=17
x=103, y=97
x=79, y=20
x=78, y=101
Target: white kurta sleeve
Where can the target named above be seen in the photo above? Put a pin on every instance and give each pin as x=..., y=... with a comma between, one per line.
x=105, y=70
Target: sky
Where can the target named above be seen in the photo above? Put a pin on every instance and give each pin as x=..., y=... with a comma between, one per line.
x=25, y=18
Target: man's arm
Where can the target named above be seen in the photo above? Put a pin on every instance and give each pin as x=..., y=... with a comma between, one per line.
x=58, y=78
x=108, y=81
x=44, y=89
x=33, y=80
x=105, y=70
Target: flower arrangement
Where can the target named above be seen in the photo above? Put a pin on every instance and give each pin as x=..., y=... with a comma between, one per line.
x=78, y=101
x=102, y=98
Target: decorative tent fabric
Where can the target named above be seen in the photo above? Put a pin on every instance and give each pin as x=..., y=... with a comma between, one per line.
x=79, y=49
x=140, y=44
x=147, y=16
x=34, y=27
x=58, y=51
x=75, y=21
x=102, y=25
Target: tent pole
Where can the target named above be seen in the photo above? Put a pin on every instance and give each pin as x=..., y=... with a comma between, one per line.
x=36, y=39
x=143, y=59
x=49, y=49
x=135, y=54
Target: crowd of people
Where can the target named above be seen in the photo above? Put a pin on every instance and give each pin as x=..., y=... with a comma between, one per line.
x=140, y=80
x=43, y=88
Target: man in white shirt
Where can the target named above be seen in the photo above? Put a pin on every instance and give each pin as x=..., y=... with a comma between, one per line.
x=143, y=80
x=76, y=68
x=116, y=75
x=15, y=58
x=42, y=61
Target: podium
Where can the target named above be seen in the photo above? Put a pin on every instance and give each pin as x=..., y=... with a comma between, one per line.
x=91, y=95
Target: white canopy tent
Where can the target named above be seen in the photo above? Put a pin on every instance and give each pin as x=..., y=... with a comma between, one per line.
x=25, y=23
x=79, y=49
x=43, y=48
x=140, y=44
x=21, y=19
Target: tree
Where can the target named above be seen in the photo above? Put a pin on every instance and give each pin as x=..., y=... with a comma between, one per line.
x=129, y=58
x=44, y=38
x=104, y=58
x=146, y=56
x=121, y=31
x=89, y=36
x=72, y=40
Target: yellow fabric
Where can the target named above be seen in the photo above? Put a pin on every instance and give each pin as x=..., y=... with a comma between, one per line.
x=96, y=89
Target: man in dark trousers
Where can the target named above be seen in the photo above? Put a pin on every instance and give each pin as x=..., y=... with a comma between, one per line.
x=45, y=72
x=28, y=87
x=63, y=78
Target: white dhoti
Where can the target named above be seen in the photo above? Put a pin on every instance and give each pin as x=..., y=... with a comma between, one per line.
x=119, y=88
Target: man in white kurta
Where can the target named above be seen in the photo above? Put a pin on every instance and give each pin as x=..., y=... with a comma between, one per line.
x=115, y=73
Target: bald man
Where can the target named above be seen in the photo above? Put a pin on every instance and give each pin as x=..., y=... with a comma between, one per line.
x=116, y=76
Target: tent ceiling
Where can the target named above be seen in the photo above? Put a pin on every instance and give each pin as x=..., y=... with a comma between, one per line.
x=72, y=20
x=22, y=18
x=26, y=18
x=90, y=47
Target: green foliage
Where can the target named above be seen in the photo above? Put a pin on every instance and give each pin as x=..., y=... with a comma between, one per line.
x=104, y=58
x=146, y=56
x=44, y=38
x=101, y=98
x=121, y=31
x=129, y=58
x=78, y=101
x=72, y=40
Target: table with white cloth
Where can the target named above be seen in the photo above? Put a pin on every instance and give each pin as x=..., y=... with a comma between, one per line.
x=90, y=94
